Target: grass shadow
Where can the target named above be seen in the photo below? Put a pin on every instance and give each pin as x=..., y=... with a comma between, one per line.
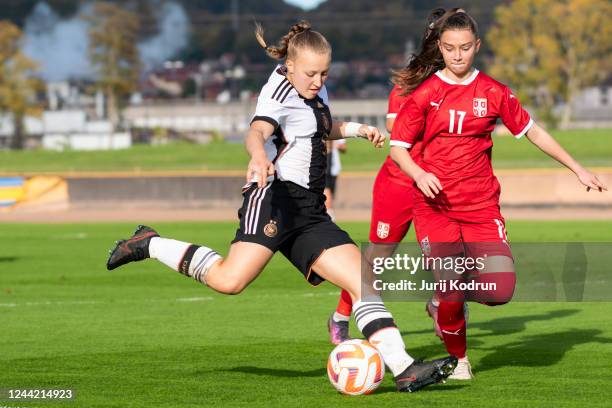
x=539, y=350
x=506, y=325
x=431, y=388
x=276, y=372
x=516, y=324
x=8, y=258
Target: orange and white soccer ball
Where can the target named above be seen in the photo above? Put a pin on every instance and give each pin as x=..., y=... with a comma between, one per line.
x=355, y=367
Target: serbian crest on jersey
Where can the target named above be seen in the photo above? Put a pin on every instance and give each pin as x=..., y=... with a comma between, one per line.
x=382, y=231
x=480, y=107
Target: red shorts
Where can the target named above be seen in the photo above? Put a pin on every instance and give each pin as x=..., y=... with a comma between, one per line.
x=443, y=233
x=392, y=208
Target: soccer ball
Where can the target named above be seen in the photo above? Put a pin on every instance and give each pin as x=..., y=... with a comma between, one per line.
x=355, y=367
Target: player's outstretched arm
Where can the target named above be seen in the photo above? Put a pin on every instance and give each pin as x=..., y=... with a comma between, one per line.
x=545, y=142
x=428, y=183
x=344, y=130
x=259, y=166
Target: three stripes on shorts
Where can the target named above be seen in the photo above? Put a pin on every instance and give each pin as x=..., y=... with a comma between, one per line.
x=251, y=218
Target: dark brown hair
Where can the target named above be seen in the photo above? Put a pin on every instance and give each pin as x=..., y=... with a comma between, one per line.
x=429, y=59
x=299, y=37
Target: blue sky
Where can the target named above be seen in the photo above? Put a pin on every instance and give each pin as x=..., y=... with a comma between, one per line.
x=305, y=4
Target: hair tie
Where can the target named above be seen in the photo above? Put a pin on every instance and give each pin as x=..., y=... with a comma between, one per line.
x=431, y=25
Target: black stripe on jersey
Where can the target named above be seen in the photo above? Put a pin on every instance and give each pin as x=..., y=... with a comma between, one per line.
x=279, y=142
x=283, y=82
x=287, y=87
x=266, y=119
x=286, y=94
x=280, y=89
x=318, y=159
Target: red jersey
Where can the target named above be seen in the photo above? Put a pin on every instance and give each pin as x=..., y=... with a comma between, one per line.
x=396, y=101
x=454, y=122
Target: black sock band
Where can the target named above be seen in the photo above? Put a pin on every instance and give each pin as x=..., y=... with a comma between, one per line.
x=376, y=325
x=186, y=261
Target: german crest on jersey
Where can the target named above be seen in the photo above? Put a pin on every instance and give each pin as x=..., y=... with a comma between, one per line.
x=271, y=229
x=382, y=231
x=480, y=107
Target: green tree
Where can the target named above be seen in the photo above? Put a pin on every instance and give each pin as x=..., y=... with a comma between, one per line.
x=552, y=49
x=18, y=86
x=113, y=52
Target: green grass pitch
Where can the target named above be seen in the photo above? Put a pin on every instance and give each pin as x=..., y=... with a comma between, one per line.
x=144, y=336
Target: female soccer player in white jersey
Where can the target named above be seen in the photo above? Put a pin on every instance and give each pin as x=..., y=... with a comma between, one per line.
x=284, y=208
x=452, y=114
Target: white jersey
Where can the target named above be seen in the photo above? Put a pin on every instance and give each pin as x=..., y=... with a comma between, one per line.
x=297, y=146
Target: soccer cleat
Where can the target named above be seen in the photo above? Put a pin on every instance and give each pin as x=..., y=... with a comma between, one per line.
x=432, y=311
x=338, y=331
x=463, y=371
x=130, y=250
x=420, y=374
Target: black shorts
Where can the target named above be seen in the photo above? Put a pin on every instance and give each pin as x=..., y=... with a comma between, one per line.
x=283, y=216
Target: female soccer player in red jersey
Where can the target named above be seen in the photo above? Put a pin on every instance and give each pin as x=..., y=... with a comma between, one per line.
x=392, y=196
x=452, y=113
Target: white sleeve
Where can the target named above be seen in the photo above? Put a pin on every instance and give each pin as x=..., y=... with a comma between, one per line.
x=269, y=110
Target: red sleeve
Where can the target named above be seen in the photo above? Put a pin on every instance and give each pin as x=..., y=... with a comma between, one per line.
x=408, y=125
x=512, y=114
x=396, y=100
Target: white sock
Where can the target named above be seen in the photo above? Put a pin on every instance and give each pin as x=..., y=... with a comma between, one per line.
x=464, y=359
x=338, y=317
x=200, y=263
x=170, y=252
x=188, y=259
x=377, y=325
x=391, y=345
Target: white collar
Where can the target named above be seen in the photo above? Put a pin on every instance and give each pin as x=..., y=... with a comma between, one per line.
x=450, y=81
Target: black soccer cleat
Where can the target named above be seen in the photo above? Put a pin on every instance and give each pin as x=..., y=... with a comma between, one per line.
x=423, y=373
x=130, y=250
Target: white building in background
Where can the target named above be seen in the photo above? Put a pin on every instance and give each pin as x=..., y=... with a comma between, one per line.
x=69, y=129
x=73, y=128
x=592, y=108
x=66, y=129
x=232, y=119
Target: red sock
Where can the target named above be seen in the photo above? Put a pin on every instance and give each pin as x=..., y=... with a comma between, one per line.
x=451, y=319
x=345, y=304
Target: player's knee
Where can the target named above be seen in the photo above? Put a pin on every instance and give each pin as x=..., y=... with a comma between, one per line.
x=231, y=286
x=499, y=288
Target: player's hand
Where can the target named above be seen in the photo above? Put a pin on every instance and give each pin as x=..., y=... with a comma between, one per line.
x=591, y=181
x=259, y=168
x=372, y=134
x=429, y=184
